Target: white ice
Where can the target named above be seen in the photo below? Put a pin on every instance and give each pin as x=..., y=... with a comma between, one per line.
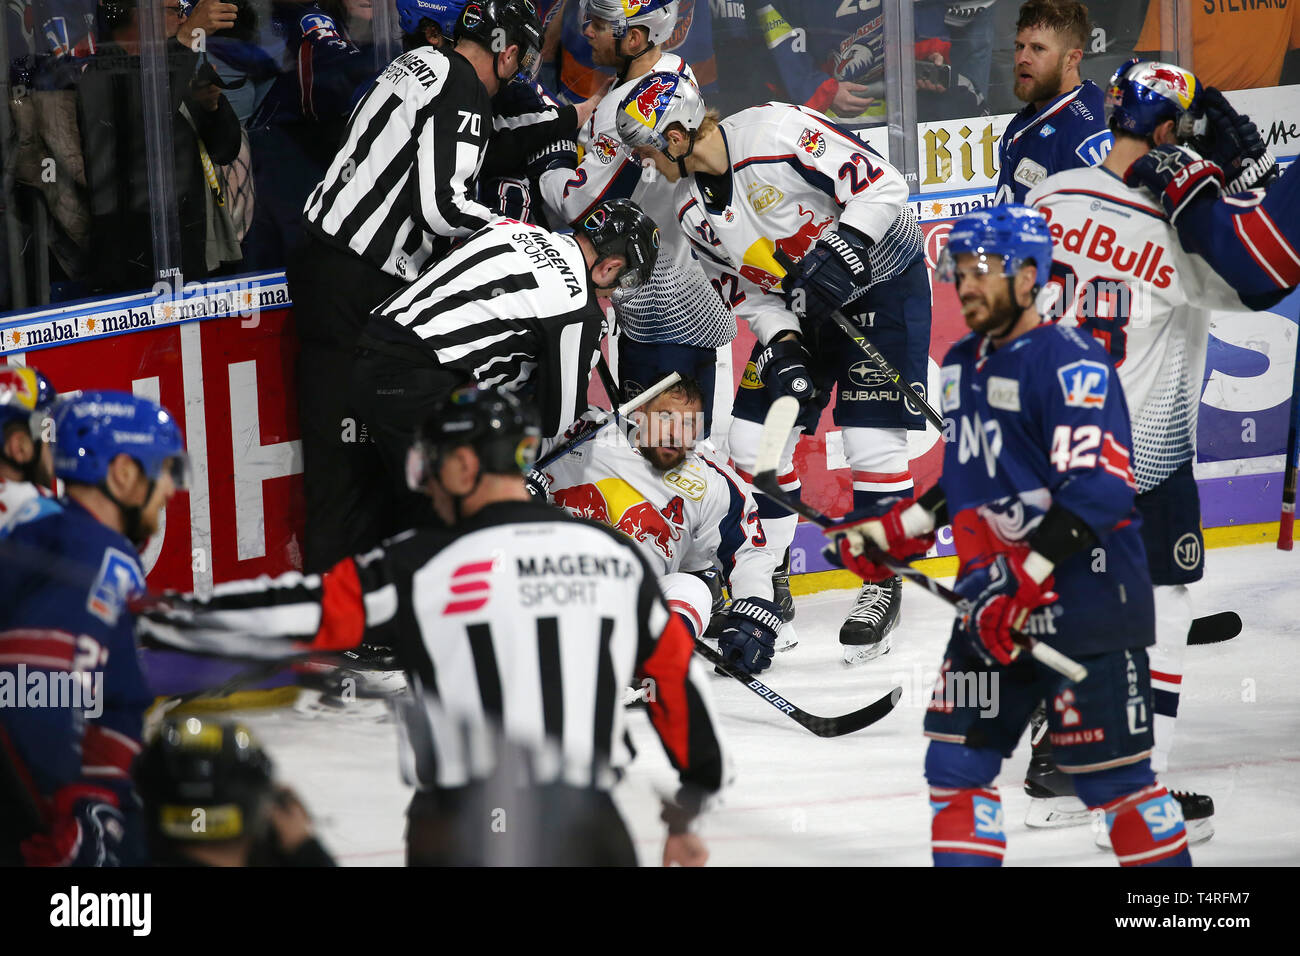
x=861, y=799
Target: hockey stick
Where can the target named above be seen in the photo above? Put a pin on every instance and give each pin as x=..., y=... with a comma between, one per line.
x=1284, y=528
x=873, y=353
x=1214, y=628
x=821, y=726
x=608, y=382
x=636, y=401
x=776, y=428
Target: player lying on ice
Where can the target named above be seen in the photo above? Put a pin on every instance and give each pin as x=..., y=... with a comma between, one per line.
x=1037, y=484
x=685, y=511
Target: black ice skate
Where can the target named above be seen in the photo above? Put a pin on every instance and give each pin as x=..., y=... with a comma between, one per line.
x=864, y=636
x=1053, y=802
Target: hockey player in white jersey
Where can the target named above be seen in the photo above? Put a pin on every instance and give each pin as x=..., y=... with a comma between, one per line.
x=675, y=321
x=684, y=510
x=1121, y=273
x=26, y=464
x=792, y=217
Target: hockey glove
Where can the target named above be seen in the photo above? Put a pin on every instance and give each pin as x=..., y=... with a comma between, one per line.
x=510, y=198
x=86, y=831
x=1233, y=143
x=562, y=154
x=538, y=485
x=782, y=367
x=1176, y=177
x=749, y=634
x=1000, y=596
x=824, y=279
x=900, y=527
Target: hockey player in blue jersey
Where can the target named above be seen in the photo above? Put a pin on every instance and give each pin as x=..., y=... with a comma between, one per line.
x=65, y=585
x=1064, y=125
x=1040, y=492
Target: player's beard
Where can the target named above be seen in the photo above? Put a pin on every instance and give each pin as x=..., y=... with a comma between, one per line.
x=1041, y=88
x=985, y=316
x=663, y=459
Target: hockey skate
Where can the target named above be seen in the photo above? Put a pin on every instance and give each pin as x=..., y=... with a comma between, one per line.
x=864, y=636
x=781, y=588
x=1198, y=819
x=787, y=638
x=1053, y=802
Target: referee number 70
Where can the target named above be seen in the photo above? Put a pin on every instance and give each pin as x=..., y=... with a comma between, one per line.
x=470, y=119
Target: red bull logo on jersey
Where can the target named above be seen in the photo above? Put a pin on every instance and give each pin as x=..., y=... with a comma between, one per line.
x=813, y=142
x=616, y=503
x=605, y=149
x=645, y=106
x=761, y=263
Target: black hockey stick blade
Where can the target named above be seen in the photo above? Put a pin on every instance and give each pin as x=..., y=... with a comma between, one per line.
x=821, y=726
x=1215, y=628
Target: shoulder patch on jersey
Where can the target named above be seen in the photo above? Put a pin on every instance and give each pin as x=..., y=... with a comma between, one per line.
x=1029, y=173
x=690, y=485
x=319, y=24
x=1094, y=149
x=763, y=196
x=1084, y=383
x=1004, y=393
x=950, y=390
x=119, y=580
x=1046, y=130
x=813, y=142
x=605, y=148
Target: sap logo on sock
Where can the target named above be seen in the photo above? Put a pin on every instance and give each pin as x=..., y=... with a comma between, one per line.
x=75, y=909
x=988, y=818
x=1163, y=816
x=1084, y=383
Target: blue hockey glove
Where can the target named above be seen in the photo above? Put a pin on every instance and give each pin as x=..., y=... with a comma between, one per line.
x=1000, y=596
x=824, y=279
x=1232, y=142
x=748, y=636
x=1176, y=178
x=782, y=367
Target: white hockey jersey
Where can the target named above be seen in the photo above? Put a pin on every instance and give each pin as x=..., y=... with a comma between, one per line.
x=22, y=501
x=679, y=519
x=794, y=174
x=1121, y=273
x=677, y=304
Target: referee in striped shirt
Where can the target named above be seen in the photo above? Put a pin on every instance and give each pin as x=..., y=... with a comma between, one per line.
x=514, y=307
x=519, y=628
x=400, y=192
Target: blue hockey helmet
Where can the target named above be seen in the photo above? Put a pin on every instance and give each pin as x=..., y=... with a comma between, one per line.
x=25, y=396
x=1145, y=93
x=445, y=13
x=1017, y=233
x=92, y=429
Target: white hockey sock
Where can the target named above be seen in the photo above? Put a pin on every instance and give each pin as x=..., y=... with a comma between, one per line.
x=1173, y=621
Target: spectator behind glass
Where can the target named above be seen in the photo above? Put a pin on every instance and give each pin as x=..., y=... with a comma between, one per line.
x=205, y=131
x=298, y=125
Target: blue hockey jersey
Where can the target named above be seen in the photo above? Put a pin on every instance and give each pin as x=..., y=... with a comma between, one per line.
x=1043, y=421
x=1067, y=133
x=65, y=581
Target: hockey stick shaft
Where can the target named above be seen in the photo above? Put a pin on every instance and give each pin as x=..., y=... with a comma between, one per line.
x=821, y=726
x=608, y=382
x=780, y=419
x=1286, y=525
x=636, y=401
x=873, y=353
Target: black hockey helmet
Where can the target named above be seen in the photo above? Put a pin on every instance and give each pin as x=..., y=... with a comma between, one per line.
x=497, y=24
x=618, y=227
x=204, y=780
x=503, y=433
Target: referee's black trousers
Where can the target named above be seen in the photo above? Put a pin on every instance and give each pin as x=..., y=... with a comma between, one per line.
x=550, y=825
x=333, y=293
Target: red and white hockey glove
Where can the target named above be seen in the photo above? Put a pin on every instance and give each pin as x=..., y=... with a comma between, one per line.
x=999, y=598
x=904, y=530
x=1176, y=177
x=86, y=829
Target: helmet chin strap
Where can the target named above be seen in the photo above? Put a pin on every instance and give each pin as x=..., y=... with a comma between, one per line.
x=457, y=501
x=681, y=160
x=626, y=58
x=132, y=515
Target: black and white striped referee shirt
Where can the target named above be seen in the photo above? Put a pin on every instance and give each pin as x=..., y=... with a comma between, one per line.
x=513, y=308
x=403, y=187
x=524, y=621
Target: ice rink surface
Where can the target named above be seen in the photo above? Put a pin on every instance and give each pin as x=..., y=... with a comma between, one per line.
x=861, y=799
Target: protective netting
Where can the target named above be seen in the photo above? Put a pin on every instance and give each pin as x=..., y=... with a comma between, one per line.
x=895, y=251
x=677, y=305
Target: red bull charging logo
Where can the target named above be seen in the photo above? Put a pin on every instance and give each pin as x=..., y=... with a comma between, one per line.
x=18, y=387
x=1177, y=82
x=645, y=105
x=761, y=264
x=812, y=142
x=614, y=502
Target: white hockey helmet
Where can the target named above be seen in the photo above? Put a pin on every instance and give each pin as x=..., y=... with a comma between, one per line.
x=657, y=16
x=657, y=101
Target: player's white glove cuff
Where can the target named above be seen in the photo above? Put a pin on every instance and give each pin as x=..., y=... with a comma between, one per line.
x=1037, y=567
x=917, y=521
